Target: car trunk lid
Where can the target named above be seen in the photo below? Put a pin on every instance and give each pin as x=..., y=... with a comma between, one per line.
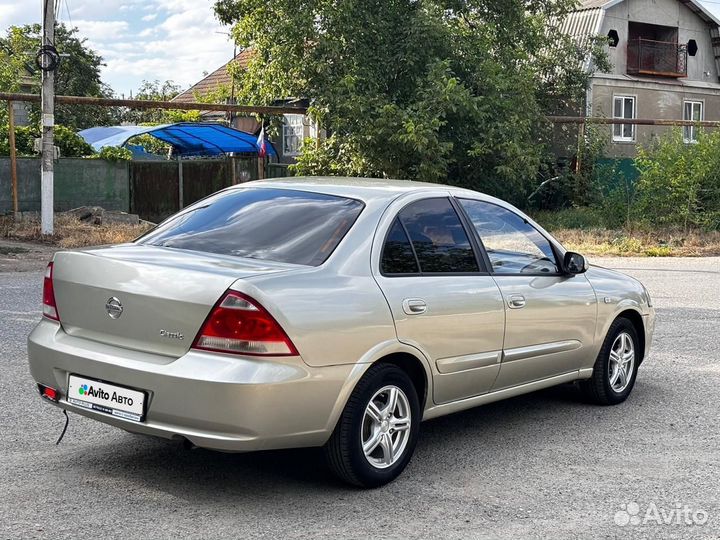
x=153, y=299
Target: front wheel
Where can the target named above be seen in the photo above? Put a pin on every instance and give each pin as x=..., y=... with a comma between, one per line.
x=616, y=366
x=378, y=430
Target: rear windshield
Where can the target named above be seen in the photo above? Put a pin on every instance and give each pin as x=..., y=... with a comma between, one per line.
x=281, y=225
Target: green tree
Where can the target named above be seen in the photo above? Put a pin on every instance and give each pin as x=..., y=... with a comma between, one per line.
x=439, y=90
x=77, y=75
x=158, y=91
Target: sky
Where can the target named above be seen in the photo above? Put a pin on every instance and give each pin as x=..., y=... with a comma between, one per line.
x=139, y=39
x=150, y=40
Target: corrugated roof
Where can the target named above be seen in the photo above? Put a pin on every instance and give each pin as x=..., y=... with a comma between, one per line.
x=589, y=4
x=217, y=79
x=187, y=138
x=583, y=24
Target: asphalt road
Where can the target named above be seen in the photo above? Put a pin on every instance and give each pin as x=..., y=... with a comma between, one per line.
x=544, y=465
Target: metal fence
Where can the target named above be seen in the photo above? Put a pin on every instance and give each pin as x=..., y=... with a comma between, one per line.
x=649, y=57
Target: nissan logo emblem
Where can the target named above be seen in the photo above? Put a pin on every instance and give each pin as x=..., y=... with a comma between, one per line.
x=114, y=308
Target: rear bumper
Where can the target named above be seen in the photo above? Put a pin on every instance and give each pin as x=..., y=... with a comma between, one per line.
x=215, y=401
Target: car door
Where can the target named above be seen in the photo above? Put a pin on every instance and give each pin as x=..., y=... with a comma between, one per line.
x=442, y=299
x=550, y=316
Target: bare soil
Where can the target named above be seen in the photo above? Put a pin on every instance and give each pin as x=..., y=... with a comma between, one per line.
x=24, y=256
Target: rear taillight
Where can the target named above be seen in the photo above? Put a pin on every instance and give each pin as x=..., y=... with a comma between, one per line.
x=49, y=308
x=48, y=393
x=238, y=324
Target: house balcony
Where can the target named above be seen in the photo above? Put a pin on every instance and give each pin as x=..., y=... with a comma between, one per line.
x=656, y=58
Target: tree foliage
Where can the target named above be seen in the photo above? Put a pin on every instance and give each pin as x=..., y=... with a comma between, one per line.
x=114, y=153
x=439, y=90
x=77, y=75
x=158, y=91
x=69, y=142
x=679, y=183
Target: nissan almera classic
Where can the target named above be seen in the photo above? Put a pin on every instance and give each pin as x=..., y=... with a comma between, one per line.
x=330, y=312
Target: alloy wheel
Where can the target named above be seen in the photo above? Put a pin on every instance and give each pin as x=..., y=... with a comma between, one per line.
x=385, y=429
x=622, y=362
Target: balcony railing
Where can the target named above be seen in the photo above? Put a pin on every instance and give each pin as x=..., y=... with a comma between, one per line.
x=658, y=58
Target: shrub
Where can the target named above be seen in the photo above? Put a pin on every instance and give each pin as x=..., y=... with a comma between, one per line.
x=152, y=145
x=659, y=251
x=24, y=140
x=113, y=153
x=679, y=183
x=583, y=218
x=69, y=142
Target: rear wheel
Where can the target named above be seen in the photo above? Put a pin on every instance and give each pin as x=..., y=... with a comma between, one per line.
x=378, y=430
x=616, y=366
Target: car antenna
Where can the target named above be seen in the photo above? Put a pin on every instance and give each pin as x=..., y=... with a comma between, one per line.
x=67, y=421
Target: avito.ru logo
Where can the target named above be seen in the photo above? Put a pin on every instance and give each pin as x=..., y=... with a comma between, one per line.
x=91, y=391
x=631, y=514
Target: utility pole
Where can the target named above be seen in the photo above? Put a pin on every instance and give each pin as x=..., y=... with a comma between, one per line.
x=48, y=66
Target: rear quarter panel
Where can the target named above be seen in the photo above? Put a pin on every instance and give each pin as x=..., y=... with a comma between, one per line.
x=335, y=313
x=331, y=319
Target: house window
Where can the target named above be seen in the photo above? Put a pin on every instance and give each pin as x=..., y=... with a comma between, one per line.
x=693, y=110
x=293, y=134
x=624, y=107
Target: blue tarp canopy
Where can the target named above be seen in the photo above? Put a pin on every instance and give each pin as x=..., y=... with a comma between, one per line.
x=187, y=138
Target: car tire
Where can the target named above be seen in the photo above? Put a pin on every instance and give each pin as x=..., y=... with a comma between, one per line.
x=604, y=387
x=359, y=427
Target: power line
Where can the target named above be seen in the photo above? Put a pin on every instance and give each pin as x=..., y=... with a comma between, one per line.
x=67, y=10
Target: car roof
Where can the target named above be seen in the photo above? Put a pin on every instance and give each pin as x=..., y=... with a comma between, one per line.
x=364, y=189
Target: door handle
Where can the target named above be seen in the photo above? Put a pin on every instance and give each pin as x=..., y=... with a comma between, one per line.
x=414, y=306
x=516, y=301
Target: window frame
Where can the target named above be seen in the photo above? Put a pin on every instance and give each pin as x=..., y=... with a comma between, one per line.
x=479, y=253
x=692, y=130
x=621, y=138
x=488, y=263
x=287, y=126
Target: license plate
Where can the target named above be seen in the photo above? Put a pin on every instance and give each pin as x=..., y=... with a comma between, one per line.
x=107, y=398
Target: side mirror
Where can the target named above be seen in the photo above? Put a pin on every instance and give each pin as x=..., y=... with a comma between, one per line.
x=574, y=263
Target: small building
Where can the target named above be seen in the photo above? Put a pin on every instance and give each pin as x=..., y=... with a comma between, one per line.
x=666, y=65
x=295, y=129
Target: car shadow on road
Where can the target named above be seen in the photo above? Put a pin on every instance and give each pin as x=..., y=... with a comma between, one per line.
x=209, y=476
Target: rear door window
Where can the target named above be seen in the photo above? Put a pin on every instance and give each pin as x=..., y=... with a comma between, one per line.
x=440, y=242
x=398, y=256
x=281, y=225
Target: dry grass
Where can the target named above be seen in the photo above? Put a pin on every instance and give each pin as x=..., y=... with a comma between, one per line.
x=622, y=243
x=70, y=232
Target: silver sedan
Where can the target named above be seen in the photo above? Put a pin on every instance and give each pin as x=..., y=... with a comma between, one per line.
x=331, y=312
